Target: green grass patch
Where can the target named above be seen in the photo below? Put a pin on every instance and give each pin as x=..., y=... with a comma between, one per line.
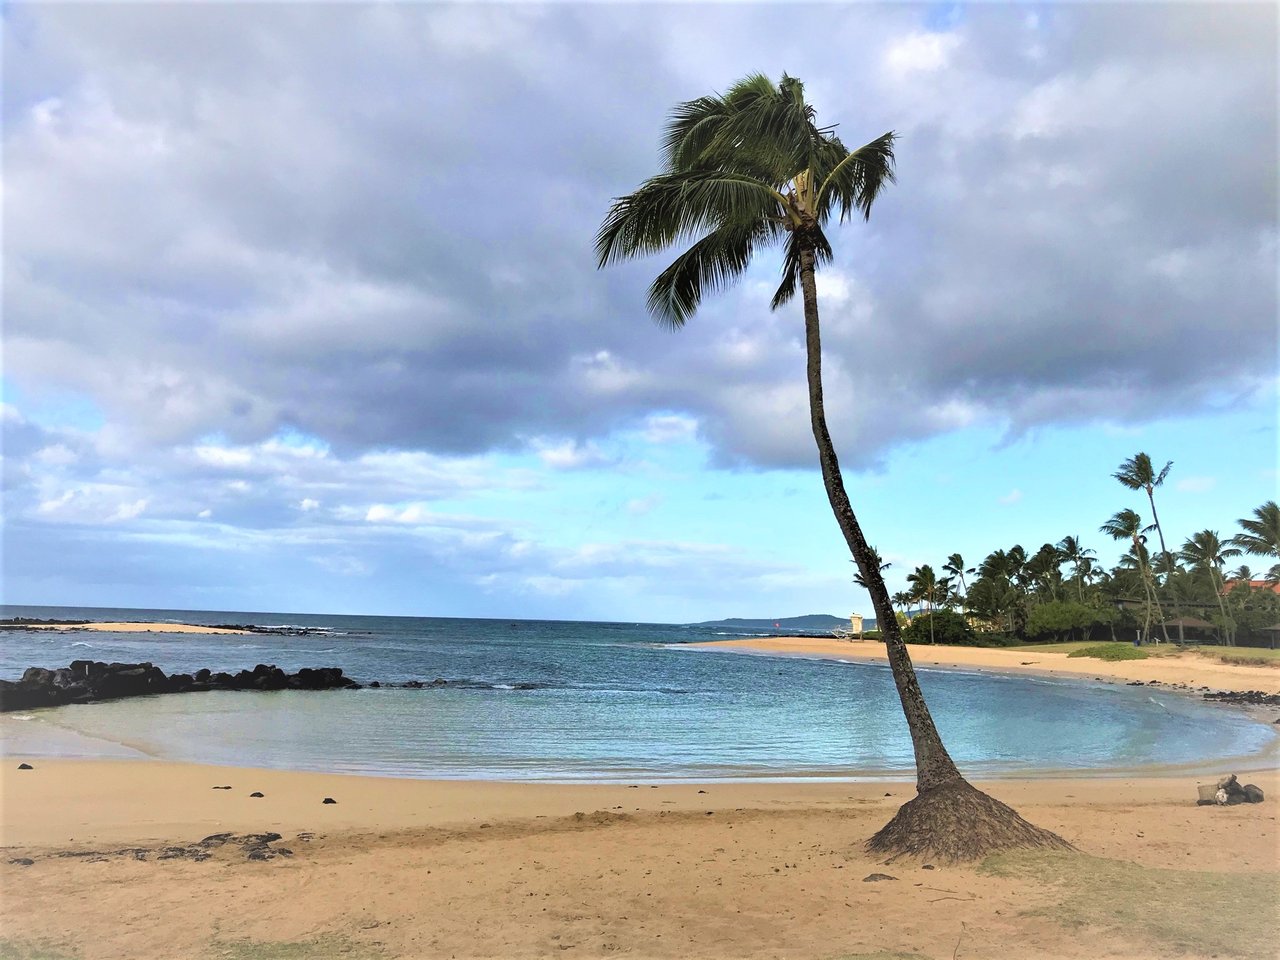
x=1179, y=911
x=1111, y=651
x=319, y=948
x=1252, y=656
x=14, y=949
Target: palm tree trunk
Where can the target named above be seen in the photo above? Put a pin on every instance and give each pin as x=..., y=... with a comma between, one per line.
x=934, y=766
x=1151, y=498
x=1214, y=579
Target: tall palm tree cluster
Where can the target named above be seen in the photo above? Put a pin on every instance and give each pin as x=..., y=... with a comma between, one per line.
x=1061, y=592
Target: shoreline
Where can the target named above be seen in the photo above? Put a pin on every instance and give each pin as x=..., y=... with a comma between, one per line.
x=1186, y=673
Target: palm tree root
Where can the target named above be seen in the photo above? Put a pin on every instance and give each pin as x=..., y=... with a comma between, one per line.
x=956, y=821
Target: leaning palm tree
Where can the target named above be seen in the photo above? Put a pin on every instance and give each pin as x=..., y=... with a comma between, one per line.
x=748, y=169
x=1206, y=554
x=1261, y=535
x=1138, y=473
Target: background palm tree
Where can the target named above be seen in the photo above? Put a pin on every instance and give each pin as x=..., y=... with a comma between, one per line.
x=1127, y=525
x=744, y=170
x=1208, y=555
x=955, y=566
x=1261, y=535
x=881, y=565
x=1072, y=552
x=925, y=587
x=1137, y=473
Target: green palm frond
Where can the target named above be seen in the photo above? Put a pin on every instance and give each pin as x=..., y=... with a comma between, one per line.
x=1124, y=525
x=742, y=169
x=1261, y=535
x=856, y=178
x=822, y=253
x=709, y=265
x=672, y=207
x=1139, y=473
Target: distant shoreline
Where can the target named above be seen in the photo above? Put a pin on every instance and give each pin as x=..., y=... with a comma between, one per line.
x=1189, y=672
x=132, y=626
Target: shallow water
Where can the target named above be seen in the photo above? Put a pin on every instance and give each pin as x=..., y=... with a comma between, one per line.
x=554, y=700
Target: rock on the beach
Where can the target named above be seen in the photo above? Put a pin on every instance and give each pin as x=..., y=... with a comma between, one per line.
x=86, y=681
x=1253, y=793
x=25, y=766
x=874, y=877
x=329, y=800
x=257, y=794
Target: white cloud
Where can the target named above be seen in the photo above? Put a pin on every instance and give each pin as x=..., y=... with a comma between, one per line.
x=306, y=505
x=640, y=506
x=569, y=454
x=128, y=511
x=1013, y=496
x=661, y=428
x=56, y=455
x=1196, y=484
x=920, y=53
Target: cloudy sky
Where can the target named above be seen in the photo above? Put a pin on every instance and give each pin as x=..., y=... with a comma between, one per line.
x=301, y=311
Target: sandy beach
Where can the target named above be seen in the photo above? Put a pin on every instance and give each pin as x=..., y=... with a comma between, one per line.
x=1192, y=670
x=132, y=627
x=156, y=860
x=399, y=868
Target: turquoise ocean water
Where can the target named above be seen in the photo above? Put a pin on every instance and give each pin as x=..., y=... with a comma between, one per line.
x=585, y=701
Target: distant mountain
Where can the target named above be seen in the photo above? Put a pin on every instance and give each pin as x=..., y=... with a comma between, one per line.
x=810, y=623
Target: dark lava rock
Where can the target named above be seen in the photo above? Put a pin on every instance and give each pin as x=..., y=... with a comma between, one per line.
x=22, y=861
x=257, y=794
x=329, y=800
x=875, y=877
x=1253, y=793
x=25, y=766
x=1251, y=697
x=86, y=681
x=222, y=788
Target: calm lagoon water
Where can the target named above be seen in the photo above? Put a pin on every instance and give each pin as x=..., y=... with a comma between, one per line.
x=585, y=701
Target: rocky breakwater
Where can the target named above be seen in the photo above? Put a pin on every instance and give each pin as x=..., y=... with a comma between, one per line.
x=87, y=681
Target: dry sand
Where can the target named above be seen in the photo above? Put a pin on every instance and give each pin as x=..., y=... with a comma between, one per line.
x=132, y=627
x=399, y=869
x=1188, y=669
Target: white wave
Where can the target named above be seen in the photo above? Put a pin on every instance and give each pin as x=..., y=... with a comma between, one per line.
x=21, y=716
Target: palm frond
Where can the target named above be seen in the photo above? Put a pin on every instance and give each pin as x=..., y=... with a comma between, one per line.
x=671, y=207
x=791, y=266
x=709, y=265
x=691, y=128
x=852, y=180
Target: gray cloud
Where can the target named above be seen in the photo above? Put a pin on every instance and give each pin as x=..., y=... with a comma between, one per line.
x=373, y=224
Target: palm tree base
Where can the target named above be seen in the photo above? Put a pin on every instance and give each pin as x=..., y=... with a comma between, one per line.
x=956, y=821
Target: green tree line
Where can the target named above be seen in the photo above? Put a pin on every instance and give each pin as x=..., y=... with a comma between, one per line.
x=1061, y=592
